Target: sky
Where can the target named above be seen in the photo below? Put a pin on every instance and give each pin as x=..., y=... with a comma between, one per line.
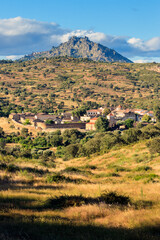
x=131, y=27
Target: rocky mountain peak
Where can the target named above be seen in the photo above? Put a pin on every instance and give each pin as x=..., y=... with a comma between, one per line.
x=81, y=47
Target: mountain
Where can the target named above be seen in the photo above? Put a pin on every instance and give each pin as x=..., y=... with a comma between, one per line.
x=79, y=47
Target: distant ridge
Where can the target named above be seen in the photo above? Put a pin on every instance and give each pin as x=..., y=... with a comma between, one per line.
x=81, y=47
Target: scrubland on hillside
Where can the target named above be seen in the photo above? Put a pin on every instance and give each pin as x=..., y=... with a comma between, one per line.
x=72, y=184
x=60, y=84
x=110, y=196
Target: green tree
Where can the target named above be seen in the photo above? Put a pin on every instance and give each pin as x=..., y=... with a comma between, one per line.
x=71, y=151
x=2, y=144
x=79, y=112
x=157, y=113
x=27, y=122
x=146, y=118
x=56, y=140
x=101, y=124
x=24, y=132
x=108, y=141
x=129, y=123
x=154, y=145
x=40, y=142
x=49, y=121
x=131, y=135
x=1, y=133
x=106, y=111
x=92, y=146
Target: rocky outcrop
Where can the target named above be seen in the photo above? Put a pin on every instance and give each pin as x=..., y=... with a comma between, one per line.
x=79, y=47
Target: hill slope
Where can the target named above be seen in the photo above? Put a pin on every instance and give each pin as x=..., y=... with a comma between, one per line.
x=63, y=83
x=79, y=47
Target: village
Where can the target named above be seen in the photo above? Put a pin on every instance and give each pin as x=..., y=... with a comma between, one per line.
x=49, y=122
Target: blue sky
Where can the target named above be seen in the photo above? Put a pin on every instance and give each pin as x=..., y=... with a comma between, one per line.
x=131, y=27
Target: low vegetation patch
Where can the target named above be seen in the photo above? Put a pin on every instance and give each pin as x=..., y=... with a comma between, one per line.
x=143, y=168
x=65, y=201
x=59, y=178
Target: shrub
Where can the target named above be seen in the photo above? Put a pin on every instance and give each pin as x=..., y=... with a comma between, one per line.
x=71, y=151
x=65, y=201
x=47, y=153
x=108, y=141
x=27, y=122
x=26, y=153
x=114, y=198
x=92, y=146
x=55, y=178
x=154, y=145
x=49, y=121
x=12, y=168
x=101, y=124
x=143, y=168
x=150, y=131
x=131, y=135
x=146, y=118
x=56, y=140
x=129, y=123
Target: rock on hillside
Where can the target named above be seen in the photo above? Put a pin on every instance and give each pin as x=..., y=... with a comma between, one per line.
x=80, y=47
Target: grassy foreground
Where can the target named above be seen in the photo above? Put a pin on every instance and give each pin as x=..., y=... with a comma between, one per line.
x=111, y=196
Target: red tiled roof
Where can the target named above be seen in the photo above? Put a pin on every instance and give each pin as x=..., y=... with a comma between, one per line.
x=94, y=110
x=110, y=114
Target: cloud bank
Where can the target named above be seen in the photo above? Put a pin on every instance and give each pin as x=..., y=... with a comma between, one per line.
x=19, y=36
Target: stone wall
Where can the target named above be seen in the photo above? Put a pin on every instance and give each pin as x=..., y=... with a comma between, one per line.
x=20, y=126
x=67, y=125
x=43, y=126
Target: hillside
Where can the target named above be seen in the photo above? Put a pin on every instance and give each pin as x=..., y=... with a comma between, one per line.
x=114, y=196
x=79, y=47
x=62, y=83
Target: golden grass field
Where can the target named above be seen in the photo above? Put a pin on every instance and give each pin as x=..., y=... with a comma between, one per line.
x=27, y=210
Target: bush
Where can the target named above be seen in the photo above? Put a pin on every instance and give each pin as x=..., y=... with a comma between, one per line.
x=26, y=153
x=72, y=136
x=47, y=153
x=114, y=198
x=108, y=141
x=27, y=122
x=154, y=145
x=131, y=135
x=1, y=133
x=129, y=123
x=2, y=144
x=143, y=168
x=102, y=124
x=150, y=131
x=146, y=118
x=92, y=146
x=56, y=140
x=65, y=201
x=49, y=121
x=55, y=178
x=71, y=151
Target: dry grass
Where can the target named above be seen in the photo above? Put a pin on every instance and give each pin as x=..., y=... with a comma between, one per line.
x=24, y=198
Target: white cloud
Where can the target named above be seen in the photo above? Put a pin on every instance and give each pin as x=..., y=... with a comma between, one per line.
x=19, y=36
x=93, y=36
x=152, y=44
x=17, y=26
x=145, y=59
x=13, y=57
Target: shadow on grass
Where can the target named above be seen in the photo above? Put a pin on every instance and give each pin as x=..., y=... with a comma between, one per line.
x=13, y=229
x=13, y=168
x=21, y=185
x=64, y=201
